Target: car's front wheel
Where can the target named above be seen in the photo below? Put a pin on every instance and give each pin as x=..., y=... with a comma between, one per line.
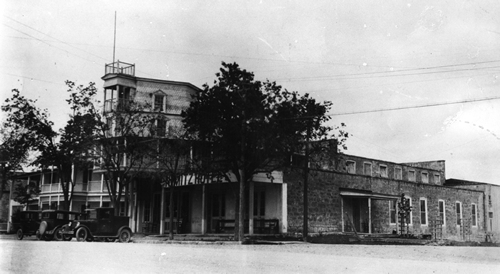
x=20, y=234
x=82, y=234
x=125, y=236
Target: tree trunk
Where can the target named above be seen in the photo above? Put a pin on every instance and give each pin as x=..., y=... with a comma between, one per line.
x=171, y=210
x=241, y=219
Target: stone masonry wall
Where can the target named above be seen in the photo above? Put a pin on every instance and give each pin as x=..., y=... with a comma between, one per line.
x=325, y=203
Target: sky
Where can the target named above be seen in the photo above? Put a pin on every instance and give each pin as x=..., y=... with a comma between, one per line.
x=412, y=80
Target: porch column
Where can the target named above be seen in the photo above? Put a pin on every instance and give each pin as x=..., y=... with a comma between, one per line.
x=251, y=194
x=370, y=215
x=203, y=209
x=342, y=211
x=284, y=208
x=162, y=211
x=132, y=205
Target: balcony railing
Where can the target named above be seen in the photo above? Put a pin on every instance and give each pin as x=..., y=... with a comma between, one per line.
x=94, y=186
x=116, y=104
x=119, y=67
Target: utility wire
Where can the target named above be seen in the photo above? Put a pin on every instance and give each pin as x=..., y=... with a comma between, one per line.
x=405, y=70
x=411, y=107
x=55, y=38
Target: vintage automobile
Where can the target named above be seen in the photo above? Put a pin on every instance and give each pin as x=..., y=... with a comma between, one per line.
x=27, y=223
x=52, y=222
x=100, y=224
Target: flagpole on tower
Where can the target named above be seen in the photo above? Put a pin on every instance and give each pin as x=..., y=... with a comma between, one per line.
x=114, y=41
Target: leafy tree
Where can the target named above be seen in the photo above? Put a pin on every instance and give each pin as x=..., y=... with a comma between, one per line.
x=253, y=125
x=28, y=130
x=24, y=193
x=71, y=152
x=173, y=155
x=121, y=144
x=25, y=129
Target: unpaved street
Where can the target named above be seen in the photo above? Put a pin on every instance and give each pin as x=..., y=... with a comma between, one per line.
x=31, y=256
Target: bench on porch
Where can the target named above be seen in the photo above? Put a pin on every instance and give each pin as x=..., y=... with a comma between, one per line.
x=260, y=226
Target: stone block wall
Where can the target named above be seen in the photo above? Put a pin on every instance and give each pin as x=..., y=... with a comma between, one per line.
x=325, y=203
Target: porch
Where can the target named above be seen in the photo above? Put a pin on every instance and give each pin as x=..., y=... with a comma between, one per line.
x=210, y=208
x=358, y=207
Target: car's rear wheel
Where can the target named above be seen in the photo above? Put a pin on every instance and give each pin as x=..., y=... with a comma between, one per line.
x=20, y=234
x=58, y=234
x=82, y=234
x=125, y=236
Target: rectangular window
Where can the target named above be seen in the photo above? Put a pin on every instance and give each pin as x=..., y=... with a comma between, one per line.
x=218, y=205
x=437, y=179
x=423, y=211
x=411, y=175
x=410, y=216
x=259, y=204
x=474, y=215
x=458, y=208
x=392, y=211
x=398, y=173
x=367, y=169
x=425, y=177
x=442, y=212
x=161, y=127
x=159, y=103
x=383, y=171
x=350, y=167
x=123, y=98
x=147, y=210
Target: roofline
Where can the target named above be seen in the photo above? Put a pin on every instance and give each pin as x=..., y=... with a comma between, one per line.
x=466, y=182
x=398, y=164
x=179, y=83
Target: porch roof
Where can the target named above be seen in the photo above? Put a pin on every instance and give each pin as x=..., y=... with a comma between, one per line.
x=366, y=194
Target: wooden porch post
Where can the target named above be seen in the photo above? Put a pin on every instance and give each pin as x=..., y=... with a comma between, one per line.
x=162, y=211
x=369, y=215
x=284, y=209
x=203, y=210
x=342, y=211
x=250, y=205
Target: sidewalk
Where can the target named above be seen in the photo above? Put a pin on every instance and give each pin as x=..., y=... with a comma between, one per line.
x=209, y=239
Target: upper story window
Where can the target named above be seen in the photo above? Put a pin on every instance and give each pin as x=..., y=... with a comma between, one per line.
x=350, y=167
x=425, y=177
x=123, y=98
x=367, y=169
x=411, y=175
x=398, y=173
x=159, y=102
x=383, y=171
x=437, y=179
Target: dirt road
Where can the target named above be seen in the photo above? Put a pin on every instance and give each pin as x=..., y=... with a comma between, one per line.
x=76, y=257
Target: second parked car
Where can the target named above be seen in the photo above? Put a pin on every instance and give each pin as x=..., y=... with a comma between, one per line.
x=52, y=222
x=100, y=224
